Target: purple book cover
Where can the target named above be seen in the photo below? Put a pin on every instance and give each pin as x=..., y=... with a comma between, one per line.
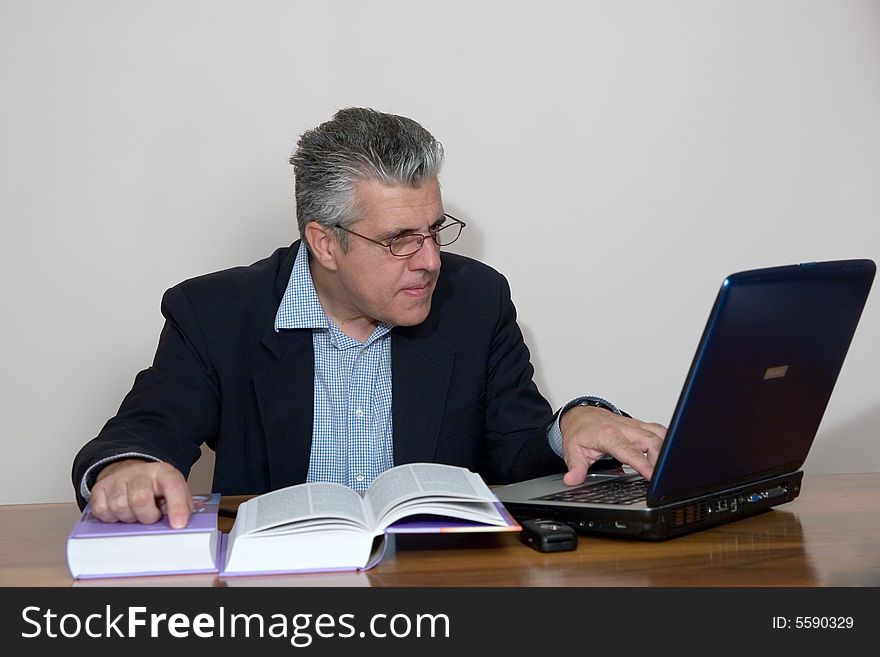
x=203, y=519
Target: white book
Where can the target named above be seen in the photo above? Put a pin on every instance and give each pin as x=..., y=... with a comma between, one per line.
x=322, y=526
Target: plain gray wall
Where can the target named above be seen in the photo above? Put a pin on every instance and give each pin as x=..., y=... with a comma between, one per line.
x=614, y=159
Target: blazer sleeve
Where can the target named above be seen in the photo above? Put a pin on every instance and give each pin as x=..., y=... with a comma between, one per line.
x=173, y=406
x=517, y=415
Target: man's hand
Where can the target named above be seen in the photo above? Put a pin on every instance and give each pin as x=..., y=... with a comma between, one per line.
x=133, y=490
x=588, y=433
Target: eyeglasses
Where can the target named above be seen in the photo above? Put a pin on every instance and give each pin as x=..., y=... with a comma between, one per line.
x=409, y=244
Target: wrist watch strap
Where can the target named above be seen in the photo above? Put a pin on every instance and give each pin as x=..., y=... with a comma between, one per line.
x=598, y=402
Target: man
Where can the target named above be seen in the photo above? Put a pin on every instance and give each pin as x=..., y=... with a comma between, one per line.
x=355, y=349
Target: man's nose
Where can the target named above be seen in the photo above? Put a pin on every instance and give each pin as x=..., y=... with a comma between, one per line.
x=428, y=257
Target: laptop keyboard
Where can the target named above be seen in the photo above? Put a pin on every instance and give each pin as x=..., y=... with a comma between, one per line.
x=617, y=491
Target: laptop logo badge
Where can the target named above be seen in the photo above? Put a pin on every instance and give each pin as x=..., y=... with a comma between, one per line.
x=775, y=372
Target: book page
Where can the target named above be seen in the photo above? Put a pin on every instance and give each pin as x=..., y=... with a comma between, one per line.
x=431, y=481
x=297, y=504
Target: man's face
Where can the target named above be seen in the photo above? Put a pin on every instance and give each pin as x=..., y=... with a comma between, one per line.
x=376, y=283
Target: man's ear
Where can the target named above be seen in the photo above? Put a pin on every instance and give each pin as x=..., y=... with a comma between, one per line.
x=323, y=244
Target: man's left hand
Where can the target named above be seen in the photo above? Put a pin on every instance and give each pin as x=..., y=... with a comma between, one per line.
x=588, y=433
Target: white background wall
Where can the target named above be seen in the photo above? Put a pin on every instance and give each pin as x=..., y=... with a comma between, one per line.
x=614, y=159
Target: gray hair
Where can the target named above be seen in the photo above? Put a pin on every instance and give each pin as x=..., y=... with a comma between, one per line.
x=358, y=144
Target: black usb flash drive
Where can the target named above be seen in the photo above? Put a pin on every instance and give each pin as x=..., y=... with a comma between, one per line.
x=548, y=535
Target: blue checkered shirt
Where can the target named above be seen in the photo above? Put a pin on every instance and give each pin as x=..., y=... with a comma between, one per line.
x=352, y=433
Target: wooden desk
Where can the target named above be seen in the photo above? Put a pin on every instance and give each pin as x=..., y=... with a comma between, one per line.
x=829, y=536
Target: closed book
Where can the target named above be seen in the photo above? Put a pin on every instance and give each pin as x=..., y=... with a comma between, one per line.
x=116, y=549
x=326, y=527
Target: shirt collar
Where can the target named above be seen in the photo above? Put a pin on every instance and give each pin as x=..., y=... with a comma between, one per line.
x=301, y=308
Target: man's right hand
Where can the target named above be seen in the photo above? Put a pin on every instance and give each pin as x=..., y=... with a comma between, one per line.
x=133, y=490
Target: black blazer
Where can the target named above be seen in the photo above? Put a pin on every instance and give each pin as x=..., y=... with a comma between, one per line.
x=462, y=383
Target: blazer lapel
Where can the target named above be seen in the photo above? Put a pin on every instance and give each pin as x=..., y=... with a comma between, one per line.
x=286, y=399
x=421, y=368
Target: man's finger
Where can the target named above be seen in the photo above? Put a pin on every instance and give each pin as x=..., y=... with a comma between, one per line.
x=117, y=501
x=142, y=501
x=657, y=429
x=99, y=507
x=576, y=474
x=641, y=444
x=178, y=500
x=633, y=456
x=641, y=464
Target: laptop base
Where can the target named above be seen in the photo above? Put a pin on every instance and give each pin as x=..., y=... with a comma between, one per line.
x=669, y=521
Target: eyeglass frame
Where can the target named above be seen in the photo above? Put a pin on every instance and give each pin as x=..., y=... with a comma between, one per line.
x=433, y=235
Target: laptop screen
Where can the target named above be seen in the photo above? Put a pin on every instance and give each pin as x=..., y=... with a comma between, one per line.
x=762, y=376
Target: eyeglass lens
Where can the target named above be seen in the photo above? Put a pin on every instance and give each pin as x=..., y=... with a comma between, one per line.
x=409, y=244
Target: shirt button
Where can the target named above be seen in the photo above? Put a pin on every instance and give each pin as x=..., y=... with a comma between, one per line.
x=359, y=477
x=358, y=412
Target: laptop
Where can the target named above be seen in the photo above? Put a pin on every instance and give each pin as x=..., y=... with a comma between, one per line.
x=751, y=404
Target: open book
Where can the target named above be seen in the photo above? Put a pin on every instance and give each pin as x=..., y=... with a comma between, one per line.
x=321, y=526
